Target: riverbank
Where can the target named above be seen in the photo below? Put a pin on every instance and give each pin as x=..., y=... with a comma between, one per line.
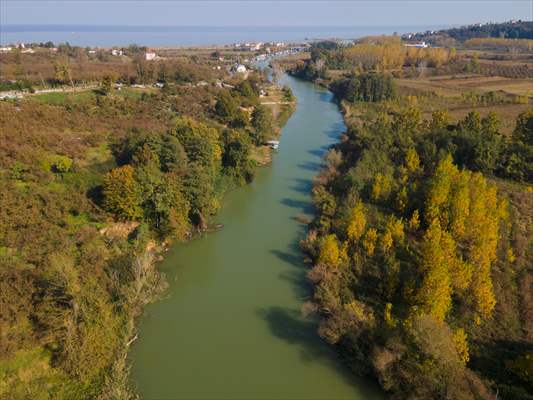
x=419, y=233
x=230, y=325
x=93, y=183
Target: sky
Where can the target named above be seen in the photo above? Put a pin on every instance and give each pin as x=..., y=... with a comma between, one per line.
x=262, y=12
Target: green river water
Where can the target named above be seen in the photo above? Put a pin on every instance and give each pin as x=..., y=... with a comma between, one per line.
x=229, y=326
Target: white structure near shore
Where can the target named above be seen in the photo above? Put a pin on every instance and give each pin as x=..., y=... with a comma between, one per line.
x=421, y=45
x=273, y=144
x=150, y=55
x=240, y=69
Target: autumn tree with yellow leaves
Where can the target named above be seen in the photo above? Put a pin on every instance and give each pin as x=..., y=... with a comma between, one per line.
x=425, y=250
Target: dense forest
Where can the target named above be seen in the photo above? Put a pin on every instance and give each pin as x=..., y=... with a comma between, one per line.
x=420, y=251
x=378, y=54
x=445, y=53
x=509, y=30
x=95, y=183
x=422, y=270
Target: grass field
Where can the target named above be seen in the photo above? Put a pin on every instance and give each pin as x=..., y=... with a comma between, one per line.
x=60, y=98
x=451, y=86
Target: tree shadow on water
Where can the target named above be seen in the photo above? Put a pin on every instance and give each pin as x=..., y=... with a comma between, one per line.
x=303, y=186
x=294, y=258
x=288, y=325
x=297, y=276
x=336, y=130
x=311, y=166
x=320, y=151
x=301, y=286
x=325, y=96
x=304, y=206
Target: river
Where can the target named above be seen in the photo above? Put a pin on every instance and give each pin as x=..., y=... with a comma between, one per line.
x=229, y=326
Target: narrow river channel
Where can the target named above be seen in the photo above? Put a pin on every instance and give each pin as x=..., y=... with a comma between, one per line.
x=229, y=326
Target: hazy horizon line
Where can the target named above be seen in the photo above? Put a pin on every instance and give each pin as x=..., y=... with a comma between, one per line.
x=82, y=27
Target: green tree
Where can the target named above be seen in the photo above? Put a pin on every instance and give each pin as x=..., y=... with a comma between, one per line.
x=440, y=119
x=237, y=157
x=523, y=131
x=248, y=91
x=172, y=156
x=199, y=190
x=63, y=72
x=107, y=85
x=201, y=142
x=60, y=164
x=262, y=122
x=226, y=107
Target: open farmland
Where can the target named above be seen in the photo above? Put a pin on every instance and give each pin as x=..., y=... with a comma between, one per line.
x=450, y=86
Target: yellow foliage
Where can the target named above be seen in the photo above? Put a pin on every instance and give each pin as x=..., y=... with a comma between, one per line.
x=411, y=100
x=395, y=226
x=439, y=120
x=435, y=57
x=386, y=241
x=343, y=253
x=355, y=309
x=217, y=152
x=460, y=271
x=483, y=224
x=330, y=254
x=453, y=53
x=412, y=161
x=369, y=242
x=381, y=187
x=460, y=339
x=439, y=192
x=469, y=207
x=384, y=56
x=387, y=315
x=403, y=175
x=435, y=294
x=510, y=255
x=393, y=232
x=525, y=44
x=409, y=120
x=401, y=199
x=356, y=222
x=484, y=293
x=414, y=221
x=468, y=210
x=121, y=193
x=459, y=204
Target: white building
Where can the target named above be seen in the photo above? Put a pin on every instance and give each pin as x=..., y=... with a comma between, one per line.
x=421, y=45
x=5, y=49
x=256, y=46
x=116, y=52
x=150, y=55
x=241, y=69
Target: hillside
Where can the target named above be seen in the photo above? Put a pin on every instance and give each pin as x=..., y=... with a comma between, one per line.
x=96, y=182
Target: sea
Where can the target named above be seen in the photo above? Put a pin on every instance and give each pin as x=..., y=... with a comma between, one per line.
x=105, y=36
